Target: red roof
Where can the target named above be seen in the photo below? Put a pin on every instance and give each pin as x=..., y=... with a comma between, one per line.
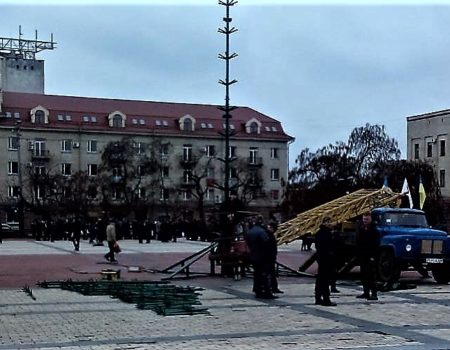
x=152, y=113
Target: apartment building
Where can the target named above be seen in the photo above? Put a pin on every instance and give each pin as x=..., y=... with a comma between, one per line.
x=427, y=140
x=42, y=135
x=66, y=134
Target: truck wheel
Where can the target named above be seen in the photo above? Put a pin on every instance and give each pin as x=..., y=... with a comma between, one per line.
x=388, y=269
x=441, y=273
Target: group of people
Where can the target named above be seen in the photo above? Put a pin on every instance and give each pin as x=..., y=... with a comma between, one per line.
x=262, y=246
x=367, y=247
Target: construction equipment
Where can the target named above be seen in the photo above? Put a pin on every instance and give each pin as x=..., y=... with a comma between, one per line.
x=338, y=210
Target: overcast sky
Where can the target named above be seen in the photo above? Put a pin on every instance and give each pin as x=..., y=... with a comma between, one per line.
x=321, y=70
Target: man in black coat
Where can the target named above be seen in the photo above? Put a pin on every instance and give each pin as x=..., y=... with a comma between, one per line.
x=368, y=243
x=325, y=262
x=273, y=252
x=259, y=245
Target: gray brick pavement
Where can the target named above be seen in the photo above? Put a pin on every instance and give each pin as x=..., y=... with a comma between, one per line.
x=409, y=319
x=66, y=320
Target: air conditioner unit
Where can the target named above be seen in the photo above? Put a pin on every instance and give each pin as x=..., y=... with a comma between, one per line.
x=203, y=149
x=31, y=145
x=75, y=144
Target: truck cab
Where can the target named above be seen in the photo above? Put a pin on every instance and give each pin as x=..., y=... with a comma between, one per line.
x=407, y=241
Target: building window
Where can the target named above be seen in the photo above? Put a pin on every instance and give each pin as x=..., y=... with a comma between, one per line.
x=253, y=178
x=186, y=195
x=209, y=194
x=140, y=147
x=253, y=155
x=92, y=169
x=66, y=169
x=66, y=146
x=39, y=192
x=187, y=153
x=187, y=176
x=274, y=153
x=187, y=124
x=13, y=168
x=429, y=149
x=141, y=193
x=116, y=194
x=165, y=171
x=165, y=149
x=233, y=173
x=442, y=148
x=275, y=195
x=117, y=121
x=442, y=178
x=13, y=191
x=13, y=143
x=92, y=146
x=210, y=151
x=232, y=151
x=40, y=170
x=416, y=151
x=39, y=117
x=274, y=174
x=253, y=128
x=40, y=148
x=164, y=194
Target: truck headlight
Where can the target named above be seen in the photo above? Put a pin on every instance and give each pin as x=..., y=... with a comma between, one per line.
x=408, y=247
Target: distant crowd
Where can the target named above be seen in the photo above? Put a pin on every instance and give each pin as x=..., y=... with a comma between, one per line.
x=162, y=229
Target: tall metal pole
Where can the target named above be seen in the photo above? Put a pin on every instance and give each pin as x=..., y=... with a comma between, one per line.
x=227, y=82
x=19, y=169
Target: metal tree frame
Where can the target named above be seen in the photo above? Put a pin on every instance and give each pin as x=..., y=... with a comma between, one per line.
x=227, y=57
x=338, y=210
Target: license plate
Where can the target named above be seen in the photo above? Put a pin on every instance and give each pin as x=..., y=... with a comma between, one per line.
x=434, y=260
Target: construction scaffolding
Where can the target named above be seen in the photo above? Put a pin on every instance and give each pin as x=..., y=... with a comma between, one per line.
x=338, y=210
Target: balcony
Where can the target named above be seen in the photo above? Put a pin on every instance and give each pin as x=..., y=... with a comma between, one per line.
x=186, y=182
x=254, y=184
x=255, y=161
x=188, y=161
x=40, y=155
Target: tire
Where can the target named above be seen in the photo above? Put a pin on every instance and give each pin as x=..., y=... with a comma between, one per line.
x=387, y=268
x=441, y=273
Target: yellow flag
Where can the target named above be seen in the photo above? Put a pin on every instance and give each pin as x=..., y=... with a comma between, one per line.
x=422, y=194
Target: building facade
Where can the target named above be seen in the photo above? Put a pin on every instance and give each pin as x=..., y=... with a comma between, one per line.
x=49, y=135
x=427, y=140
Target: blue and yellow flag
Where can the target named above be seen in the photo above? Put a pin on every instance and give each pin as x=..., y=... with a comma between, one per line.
x=422, y=194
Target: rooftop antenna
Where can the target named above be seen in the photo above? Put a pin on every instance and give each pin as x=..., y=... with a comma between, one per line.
x=24, y=48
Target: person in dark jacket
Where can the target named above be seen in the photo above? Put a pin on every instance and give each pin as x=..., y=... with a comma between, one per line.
x=368, y=243
x=325, y=262
x=273, y=251
x=258, y=243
